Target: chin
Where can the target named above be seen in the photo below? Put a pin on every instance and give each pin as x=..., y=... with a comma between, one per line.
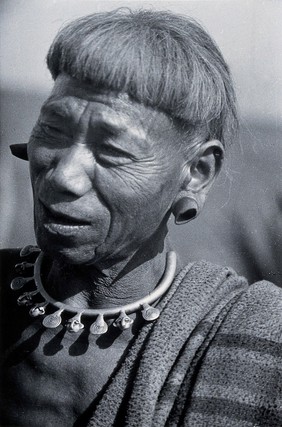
x=73, y=256
x=69, y=251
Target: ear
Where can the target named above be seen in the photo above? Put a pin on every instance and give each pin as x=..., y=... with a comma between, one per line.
x=200, y=174
x=19, y=150
x=205, y=166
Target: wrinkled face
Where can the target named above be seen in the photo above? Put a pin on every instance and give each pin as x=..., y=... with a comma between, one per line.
x=104, y=172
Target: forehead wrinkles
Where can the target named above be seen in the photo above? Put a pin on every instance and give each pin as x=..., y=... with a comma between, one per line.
x=118, y=112
x=66, y=107
x=118, y=120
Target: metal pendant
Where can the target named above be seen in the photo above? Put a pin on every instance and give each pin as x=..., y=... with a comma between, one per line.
x=19, y=282
x=99, y=327
x=26, y=298
x=150, y=313
x=27, y=250
x=53, y=320
x=38, y=309
x=22, y=266
x=74, y=324
x=123, y=321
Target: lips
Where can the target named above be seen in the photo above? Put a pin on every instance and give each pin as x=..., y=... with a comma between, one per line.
x=58, y=222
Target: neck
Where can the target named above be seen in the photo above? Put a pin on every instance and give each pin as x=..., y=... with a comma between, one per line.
x=90, y=287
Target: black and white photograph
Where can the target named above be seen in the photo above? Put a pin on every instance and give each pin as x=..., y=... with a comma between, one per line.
x=141, y=213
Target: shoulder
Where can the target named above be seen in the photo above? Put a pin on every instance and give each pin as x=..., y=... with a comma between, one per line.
x=16, y=262
x=255, y=309
x=263, y=306
x=7, y=254
x=8, y=259
x=243, y=361
x=254, y=323
x=11, y=318
x=262, y=303
x=8, y=305
x=217, y=284
x=212, y=274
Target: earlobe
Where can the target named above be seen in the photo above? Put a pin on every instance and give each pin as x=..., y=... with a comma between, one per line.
x=19, y=150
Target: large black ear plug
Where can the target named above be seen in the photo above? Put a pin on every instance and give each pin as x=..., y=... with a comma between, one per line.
x=19, y=150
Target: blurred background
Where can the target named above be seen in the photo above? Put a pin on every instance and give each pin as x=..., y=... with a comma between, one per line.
x=241, y=225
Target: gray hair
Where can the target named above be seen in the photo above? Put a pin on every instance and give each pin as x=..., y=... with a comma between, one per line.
x=160, y=59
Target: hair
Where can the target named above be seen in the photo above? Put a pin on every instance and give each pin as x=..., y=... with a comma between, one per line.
x=160, y=59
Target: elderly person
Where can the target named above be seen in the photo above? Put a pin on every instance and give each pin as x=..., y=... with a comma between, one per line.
x=101, y=325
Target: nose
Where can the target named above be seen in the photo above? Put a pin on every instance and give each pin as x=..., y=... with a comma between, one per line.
x=73, y=171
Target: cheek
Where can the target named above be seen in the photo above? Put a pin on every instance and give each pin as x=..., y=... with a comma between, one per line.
x=41, y=160
x=120, y=187
x=129, y=191
x=39, y=156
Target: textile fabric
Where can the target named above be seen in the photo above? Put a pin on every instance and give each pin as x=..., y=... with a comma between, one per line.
x=213, y=358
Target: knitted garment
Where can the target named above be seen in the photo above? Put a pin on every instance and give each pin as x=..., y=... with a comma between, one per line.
x=213, y=358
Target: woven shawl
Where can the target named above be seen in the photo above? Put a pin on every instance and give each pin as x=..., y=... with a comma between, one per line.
x=213, y=358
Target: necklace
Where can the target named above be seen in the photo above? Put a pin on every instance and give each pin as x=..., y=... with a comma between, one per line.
x=74, y=324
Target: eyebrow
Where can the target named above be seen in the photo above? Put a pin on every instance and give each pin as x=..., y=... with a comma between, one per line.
x=108, y=125
x=56, y=109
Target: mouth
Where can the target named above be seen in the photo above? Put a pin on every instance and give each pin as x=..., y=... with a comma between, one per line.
x=62, y=223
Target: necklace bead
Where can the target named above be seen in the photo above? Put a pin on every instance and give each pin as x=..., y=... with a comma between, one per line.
x=99, y=326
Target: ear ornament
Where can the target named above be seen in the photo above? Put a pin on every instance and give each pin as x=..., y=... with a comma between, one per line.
x=19, y=150
x=185, y=209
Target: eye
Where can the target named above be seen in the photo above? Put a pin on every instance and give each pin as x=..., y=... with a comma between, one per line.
x=47, y=133
x=104, y=140
x=113, y=156
x=50, y=128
